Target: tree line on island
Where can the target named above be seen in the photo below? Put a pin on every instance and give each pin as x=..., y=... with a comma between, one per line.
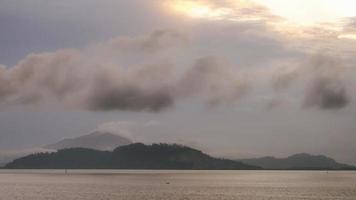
x=132, y=156
x=165, y=156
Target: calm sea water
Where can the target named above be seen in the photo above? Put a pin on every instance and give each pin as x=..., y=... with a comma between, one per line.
x=195, y=185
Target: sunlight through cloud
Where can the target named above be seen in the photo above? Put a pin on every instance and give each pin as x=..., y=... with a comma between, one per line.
x=347, y=36
x=197, y=9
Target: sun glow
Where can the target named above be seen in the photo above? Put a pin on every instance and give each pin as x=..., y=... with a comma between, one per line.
x=293, y=17
x=302, y=12
x=198, y=9
x=347, y=36
x=311, y=12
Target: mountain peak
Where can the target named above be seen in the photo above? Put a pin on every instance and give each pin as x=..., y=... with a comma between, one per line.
x=96, y=140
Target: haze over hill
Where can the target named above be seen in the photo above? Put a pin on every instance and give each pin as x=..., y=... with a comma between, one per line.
x=298, y=162
x=97, y=140
x=133, y=156
x=8, y=156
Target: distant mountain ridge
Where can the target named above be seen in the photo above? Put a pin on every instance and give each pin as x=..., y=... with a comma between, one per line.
x=104, y=141
x=133, y=156
x=301, y=161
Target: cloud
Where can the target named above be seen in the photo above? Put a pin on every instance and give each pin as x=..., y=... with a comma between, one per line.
x=274, y=103
x=215, y=80
x=86, y=80
x=284, y=75
x=4, y=89
x=121, y=128
x=82, y=79
x=326, y=93
x=325, y=86
x=156, y=41
x=350, y=24
x=131, y=94
x=137, y=131
x=143, y=73
x=152, y=123
x=66, y=77
x=236, y=11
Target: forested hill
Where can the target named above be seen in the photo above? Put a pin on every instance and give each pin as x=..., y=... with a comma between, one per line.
x=301, y=161
x=133, y=156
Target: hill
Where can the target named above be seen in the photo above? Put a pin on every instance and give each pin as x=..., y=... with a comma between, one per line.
x=104, y=141
x=8, y=156
x=298, y=162
x=133, y=156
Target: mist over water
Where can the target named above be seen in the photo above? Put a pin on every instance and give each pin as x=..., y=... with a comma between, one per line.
x=196, y=185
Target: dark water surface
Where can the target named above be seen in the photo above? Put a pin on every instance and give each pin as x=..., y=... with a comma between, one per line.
x=202, y=185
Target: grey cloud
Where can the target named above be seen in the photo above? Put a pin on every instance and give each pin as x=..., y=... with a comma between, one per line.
x=154, y=42
x=108, y=96
x=214, y=79
x=4, y=89
x=274, y=103
x=283, y=77
x=80, y=79
x=71, y=78
x=97, y=78
x=326, y=89
x=45, y=77
x=65, y=78
x=76, y=78
x=326, y=93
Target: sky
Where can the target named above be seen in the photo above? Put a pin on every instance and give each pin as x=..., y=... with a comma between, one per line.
x=234, y=78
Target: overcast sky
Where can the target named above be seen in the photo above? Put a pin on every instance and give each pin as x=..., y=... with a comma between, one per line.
x=235, y=78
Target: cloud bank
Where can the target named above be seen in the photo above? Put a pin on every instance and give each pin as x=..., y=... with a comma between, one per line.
x=94, y=79
x=86, y=79
x=145, y=73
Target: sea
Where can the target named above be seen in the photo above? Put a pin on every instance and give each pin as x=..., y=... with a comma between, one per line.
x=176, y=185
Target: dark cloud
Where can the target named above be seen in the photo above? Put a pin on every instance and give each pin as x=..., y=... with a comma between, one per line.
x=326, y=93
x=326, y=88
x=324, y=74
x=107, y=96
